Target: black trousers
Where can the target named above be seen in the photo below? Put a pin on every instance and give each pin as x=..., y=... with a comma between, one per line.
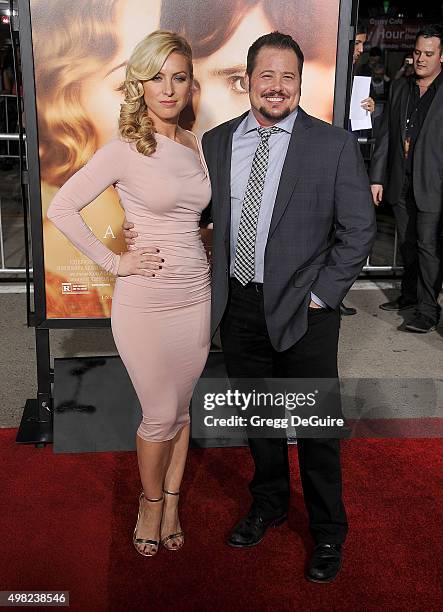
x=249, y=354
x=419, y=235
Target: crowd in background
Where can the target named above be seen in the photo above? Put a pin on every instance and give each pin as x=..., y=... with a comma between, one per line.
x=373, y=63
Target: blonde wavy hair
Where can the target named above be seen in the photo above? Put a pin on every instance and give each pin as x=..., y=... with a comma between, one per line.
x=82, y=37
x=145, y=62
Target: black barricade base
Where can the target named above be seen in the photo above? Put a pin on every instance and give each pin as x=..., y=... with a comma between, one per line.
x=96, y=408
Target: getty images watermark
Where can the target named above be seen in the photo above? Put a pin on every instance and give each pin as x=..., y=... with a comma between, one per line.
x=317, y=408
x=255, y=400
x=267, y=408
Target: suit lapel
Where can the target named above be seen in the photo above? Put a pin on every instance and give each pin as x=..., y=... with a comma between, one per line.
x=291, y=167
x=224, y=176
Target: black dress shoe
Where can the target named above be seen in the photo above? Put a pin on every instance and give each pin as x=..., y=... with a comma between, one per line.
x=325, y=563
x=421, y=324
x=346, y=311
x=398, y=304
x=251, y=530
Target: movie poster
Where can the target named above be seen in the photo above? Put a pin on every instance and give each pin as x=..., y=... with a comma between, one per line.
x=80, y=50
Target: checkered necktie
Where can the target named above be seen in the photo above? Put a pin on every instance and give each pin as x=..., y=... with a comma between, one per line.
x=244, y=267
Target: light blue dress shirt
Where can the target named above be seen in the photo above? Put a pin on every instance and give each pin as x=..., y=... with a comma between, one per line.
x=245, y=141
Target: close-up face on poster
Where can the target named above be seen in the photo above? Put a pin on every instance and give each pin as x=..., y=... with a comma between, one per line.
x=80, y=52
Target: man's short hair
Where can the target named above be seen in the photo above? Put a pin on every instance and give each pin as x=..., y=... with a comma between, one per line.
x=278, y=41
x=361, y=28
x=429, y=31
x=378, y=66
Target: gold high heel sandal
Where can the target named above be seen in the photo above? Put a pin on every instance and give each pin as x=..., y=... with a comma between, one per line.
x=172, y=536
x=137, y=541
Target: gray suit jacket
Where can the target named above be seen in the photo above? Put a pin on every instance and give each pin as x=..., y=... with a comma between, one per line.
x=388, y=162
x=322, y=227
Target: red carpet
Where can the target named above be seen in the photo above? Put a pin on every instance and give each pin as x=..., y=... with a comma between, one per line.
x=67, y=522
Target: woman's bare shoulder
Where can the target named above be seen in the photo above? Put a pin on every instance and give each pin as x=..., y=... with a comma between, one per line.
x=189, y=139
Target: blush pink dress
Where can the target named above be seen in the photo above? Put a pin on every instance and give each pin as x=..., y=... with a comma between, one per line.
x=160, y=324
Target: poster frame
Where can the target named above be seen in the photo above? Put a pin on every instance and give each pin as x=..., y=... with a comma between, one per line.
x=345, y=35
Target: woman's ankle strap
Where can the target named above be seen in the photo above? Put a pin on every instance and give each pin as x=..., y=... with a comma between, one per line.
x=151, y=499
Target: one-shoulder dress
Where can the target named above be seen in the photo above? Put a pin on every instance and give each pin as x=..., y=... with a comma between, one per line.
x=160, y=324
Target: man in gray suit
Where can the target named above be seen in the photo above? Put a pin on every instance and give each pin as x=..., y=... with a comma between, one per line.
x=293, y=226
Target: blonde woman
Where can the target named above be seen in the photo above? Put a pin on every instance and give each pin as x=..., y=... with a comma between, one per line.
x=161, y=304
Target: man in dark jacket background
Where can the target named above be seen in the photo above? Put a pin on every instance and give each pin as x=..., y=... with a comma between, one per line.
x=407, y=170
